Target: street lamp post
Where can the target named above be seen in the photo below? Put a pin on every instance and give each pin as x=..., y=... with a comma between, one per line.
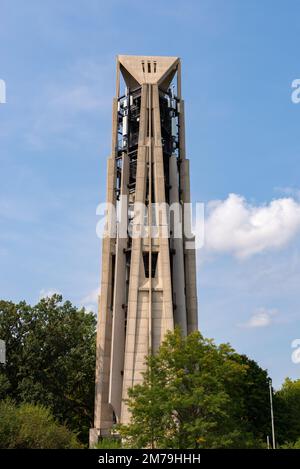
x=272, y=414
x=2, y=352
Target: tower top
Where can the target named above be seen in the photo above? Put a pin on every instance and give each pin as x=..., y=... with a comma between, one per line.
x=141, y=69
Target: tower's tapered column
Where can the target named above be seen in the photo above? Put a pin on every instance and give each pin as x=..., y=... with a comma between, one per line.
x=148, y=269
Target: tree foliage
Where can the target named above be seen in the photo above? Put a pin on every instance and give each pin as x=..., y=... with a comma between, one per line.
x=253, y=399
x=194, y=394
x=108, y=443
x=287, y=412
x=193, y=397
x=50, y=359
x=291, y=445
x=32, y=426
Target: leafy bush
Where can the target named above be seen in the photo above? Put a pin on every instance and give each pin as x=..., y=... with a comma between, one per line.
x=32, y=426
x=51, y=351
x=295, y=445
x=109, y=443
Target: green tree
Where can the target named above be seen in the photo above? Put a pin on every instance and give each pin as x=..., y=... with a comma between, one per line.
x=287, y=412
x=32, y=426
x=50, y=359
x=251, y=396
x=189, y=397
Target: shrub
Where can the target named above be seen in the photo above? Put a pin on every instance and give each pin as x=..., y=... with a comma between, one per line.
x=109, y=443
x=295, y=445
x=32, y=426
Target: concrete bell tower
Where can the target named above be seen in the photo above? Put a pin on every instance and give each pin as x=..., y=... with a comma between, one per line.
x=148, y=282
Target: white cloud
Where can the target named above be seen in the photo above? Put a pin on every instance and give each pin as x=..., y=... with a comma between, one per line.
x=262, y=317
x=235, y=226
x=90, y=301
x=76, y=99
x=65, y=108
x=289, y=191
x=47, y=293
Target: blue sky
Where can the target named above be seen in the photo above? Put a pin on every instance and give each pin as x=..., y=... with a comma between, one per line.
x=239, y=60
